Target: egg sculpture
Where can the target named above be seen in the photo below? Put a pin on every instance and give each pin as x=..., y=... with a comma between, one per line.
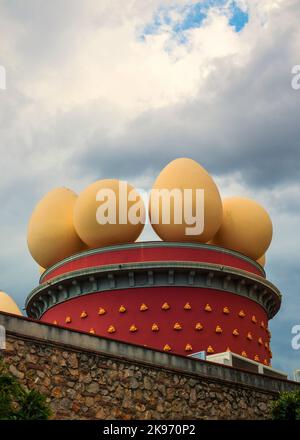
x=246, y=227
x=109, y=212
x=8, y=305
x=51, y=233
x=262, y=260
x=179, y=218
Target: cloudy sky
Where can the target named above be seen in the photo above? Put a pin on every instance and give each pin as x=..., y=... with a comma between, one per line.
x=116, y=88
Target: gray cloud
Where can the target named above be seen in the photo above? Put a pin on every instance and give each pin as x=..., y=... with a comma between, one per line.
x=249, y=125
x=242, y=120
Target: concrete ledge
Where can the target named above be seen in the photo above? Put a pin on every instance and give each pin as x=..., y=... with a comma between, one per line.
x=47, y=334
x=118, y=276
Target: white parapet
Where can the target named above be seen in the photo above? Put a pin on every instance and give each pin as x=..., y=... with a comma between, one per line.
x=297, y=375
x=234, y=360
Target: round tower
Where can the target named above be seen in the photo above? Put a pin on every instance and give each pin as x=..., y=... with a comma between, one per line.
x=177, y=297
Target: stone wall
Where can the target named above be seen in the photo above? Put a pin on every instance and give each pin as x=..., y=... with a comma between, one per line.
x=85, y=383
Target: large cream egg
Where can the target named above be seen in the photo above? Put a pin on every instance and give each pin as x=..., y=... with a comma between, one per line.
x=51, y=233
x=109, y=212
x=41, y=270
x=186, y=180
x=262, y=260
x=246, y=227
x=8, y=305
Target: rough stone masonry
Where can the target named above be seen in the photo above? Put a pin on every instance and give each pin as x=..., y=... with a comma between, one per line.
x=86, y=377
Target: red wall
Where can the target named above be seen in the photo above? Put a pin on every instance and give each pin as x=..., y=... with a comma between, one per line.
x=176, y=297
x=157, y=253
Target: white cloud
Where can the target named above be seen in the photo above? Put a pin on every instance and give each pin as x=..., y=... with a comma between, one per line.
x=87, y=97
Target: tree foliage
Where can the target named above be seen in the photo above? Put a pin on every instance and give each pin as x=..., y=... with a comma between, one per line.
x=17, y=403
x=287, y=407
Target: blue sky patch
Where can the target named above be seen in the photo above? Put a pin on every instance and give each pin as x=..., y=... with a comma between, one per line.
x=239, y=18
x=180, y=19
